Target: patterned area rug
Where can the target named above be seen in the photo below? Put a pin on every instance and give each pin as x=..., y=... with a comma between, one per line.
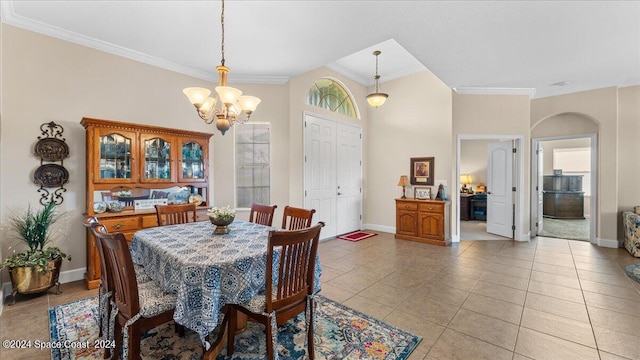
x=633, y=271
x=341, y=333
x=357, y=236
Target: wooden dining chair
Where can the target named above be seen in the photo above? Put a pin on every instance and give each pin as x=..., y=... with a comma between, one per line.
x=296, y=218
x=175, y=214
x=105, y=289
x=262, y=214
x=139, y=307
x=293, y=291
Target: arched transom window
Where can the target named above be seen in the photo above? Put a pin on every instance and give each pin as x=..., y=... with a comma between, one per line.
x=329, y=94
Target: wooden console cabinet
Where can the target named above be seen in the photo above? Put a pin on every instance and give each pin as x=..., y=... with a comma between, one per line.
x=423, y=220
x=144, y=162
x=562, y=197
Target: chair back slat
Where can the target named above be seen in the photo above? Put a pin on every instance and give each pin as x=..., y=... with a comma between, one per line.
x=262, y=214
x=296, y=265
x=120, y=264
x=296, y=218
x=175, y=214
x=93, y=225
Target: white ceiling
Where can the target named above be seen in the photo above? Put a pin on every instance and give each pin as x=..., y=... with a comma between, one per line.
x=491, y=46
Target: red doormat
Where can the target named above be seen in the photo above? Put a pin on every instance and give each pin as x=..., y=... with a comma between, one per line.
x=356, y=236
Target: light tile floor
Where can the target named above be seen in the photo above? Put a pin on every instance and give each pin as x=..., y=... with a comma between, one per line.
x=545, y=299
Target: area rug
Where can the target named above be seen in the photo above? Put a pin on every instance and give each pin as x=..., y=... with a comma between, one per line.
x=341, y=333
x=357, y=236
x=633, y=271
x=574, y=229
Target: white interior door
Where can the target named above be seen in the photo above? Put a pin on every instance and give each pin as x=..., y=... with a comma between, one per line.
x=499, y=189
x=349, y=184
x=320, y=171
x=333, y=174
x=539, y=194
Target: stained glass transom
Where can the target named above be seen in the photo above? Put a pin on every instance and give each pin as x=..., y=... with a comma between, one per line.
x=329, y=94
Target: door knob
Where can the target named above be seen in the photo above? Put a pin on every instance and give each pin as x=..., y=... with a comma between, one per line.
x=339, y=193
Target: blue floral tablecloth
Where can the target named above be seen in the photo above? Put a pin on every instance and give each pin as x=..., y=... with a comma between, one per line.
x=206, y=270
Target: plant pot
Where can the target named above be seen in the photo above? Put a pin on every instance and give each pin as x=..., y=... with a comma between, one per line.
x=221, y=224
x=28, y=280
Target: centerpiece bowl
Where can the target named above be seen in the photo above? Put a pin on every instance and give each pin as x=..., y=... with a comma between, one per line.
x=221, y=218
x=222, y=224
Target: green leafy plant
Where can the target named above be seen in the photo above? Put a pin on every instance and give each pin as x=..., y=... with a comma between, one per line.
x=32, y=229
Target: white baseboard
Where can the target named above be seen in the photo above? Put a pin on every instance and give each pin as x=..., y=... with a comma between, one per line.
x=383, y=228
x=455, y=238
x=607, y=243
x=526, y=237
x=65, y=277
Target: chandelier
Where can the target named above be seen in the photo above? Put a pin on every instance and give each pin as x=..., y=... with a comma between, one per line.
x=229, y=106
x=377, y=98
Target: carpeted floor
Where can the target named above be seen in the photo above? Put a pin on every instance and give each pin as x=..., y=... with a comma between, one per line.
x=341, y=333
x=566, y=229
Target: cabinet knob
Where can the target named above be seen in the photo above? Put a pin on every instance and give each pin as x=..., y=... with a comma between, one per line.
x=117, y=226
x=430, y=208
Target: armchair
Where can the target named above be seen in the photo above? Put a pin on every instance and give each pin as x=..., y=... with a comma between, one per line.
x=631, y=223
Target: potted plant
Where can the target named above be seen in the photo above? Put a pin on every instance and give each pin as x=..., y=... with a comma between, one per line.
x=37, y=269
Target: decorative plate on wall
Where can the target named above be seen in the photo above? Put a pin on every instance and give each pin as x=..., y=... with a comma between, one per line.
x=51, y=149
x=51, y=175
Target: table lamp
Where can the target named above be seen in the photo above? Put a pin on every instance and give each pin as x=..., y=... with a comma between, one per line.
x=404, y=181
x=465, y=179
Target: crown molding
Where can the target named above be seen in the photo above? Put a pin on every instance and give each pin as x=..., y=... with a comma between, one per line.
x=530, y=92
x=8, y=16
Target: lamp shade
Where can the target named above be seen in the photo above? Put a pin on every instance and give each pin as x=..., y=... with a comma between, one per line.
x=466, y=179
x=228, y=95
x=377, y=99
x=248, y=103
x=404, y=181
x=197, y=95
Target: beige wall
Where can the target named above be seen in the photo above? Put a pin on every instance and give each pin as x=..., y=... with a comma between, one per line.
x=585, y=110
x=501, y=115
x=628, y=150
x=473, y=160
x=414, y=122
x=45, y=79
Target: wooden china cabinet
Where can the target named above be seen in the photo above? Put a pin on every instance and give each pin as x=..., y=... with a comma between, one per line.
x=128, y=162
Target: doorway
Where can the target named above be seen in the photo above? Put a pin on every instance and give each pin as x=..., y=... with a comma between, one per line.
x=333, y=174
x=563, y=191
x=504, y=202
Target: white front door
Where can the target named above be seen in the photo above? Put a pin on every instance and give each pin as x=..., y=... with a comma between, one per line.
x=332, y=174
x=499, y=189
x=349, y=184
x=539, y=185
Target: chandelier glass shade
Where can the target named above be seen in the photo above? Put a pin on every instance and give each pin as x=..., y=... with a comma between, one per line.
x=377, y=98
x=229, y=106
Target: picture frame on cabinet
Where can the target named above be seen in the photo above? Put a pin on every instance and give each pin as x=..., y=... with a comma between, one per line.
x=422, y=193
x=422, y=171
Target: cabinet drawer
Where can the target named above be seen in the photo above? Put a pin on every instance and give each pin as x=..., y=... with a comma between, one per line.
x=407, y=206
x=121, y=224
x=149, y=221
x=431, y=207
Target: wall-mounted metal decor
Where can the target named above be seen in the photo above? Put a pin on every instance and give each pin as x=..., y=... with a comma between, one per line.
x=51, y=147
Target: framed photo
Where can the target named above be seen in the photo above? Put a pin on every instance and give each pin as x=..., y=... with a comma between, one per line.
x=422, y=193
x=422, y=171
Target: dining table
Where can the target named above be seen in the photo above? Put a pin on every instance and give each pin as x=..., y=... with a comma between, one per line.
x=207, y=270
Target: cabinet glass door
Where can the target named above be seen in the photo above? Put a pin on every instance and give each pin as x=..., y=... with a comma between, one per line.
x=115, y=157
x=157, y=162
x=193, y=169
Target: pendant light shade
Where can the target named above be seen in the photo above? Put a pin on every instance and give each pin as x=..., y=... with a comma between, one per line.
x=377, y=98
